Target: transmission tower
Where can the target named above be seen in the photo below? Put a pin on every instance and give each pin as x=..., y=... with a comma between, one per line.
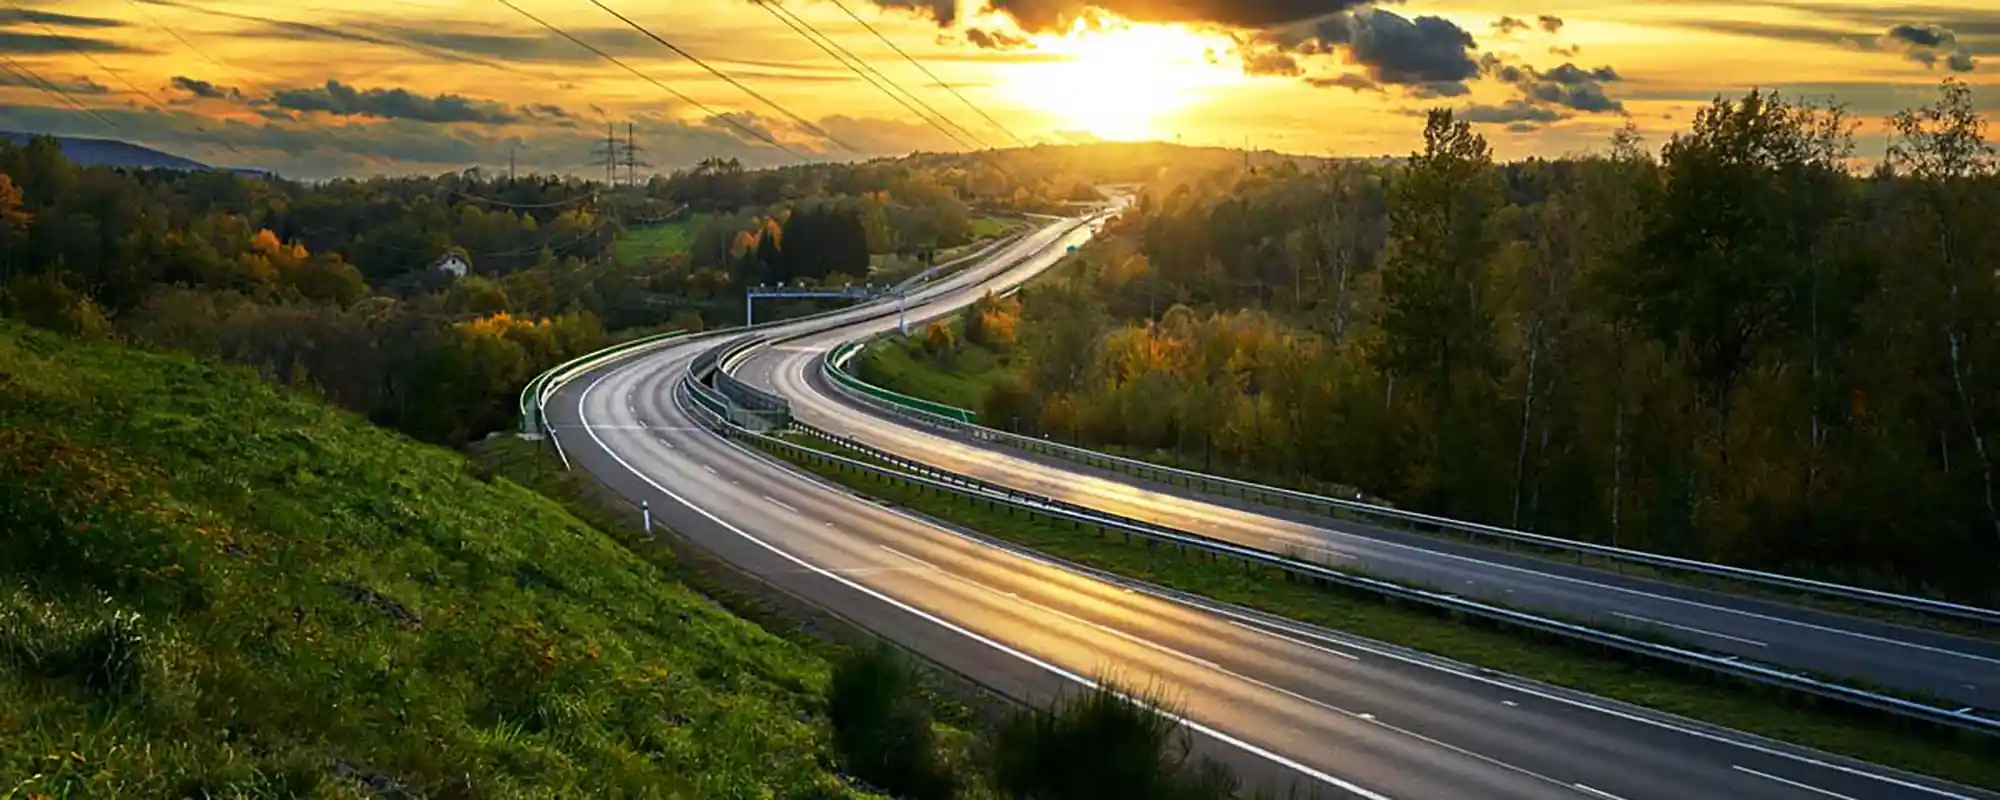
x=632, y=160
x=610, y=154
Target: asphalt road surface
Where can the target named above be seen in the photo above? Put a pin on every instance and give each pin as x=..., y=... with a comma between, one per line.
x=1956, y=669
x=1280, y=701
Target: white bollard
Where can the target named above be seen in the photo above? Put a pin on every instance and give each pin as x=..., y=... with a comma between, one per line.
x=646, y=512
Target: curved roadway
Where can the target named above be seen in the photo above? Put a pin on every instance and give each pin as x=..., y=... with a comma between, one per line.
x=1281, y=701
x=1959, y=670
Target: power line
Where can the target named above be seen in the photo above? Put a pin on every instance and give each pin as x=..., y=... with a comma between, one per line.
x=800, y=27
x=927, y=73
x=53, y=90
x=731, y=121
x=803, y=122
x=72, y=45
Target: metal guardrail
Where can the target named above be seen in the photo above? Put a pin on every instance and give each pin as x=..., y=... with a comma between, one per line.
x=534, y=396
x=841, y=355
x=1336, y=507
x=929, y=478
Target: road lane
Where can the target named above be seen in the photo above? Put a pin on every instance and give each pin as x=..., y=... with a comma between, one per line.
x=1956, y=669
x=1278, y=698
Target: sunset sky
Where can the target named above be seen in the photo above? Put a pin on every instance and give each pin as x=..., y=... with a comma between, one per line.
x=322, y=87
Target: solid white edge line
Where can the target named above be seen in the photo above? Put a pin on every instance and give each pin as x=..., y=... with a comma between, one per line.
x=1080, y=680
x=1298, y=642
x=1595, y=792
x=1295, y=628
x=1788, y=782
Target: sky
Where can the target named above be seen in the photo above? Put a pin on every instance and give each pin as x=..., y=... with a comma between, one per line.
x=318, y=88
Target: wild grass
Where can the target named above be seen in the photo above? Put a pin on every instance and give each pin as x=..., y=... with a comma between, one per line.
x=209, y=586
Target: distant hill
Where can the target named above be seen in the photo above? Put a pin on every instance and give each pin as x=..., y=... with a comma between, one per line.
x=91, y=152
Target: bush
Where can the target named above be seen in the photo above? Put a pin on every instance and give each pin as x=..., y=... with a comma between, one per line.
x=1104, y=743
x=882, y=726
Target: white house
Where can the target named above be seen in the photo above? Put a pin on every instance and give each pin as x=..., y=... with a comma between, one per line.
x=454, y=264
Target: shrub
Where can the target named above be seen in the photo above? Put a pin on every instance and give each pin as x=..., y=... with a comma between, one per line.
x=882, y=726
x=1104, y=743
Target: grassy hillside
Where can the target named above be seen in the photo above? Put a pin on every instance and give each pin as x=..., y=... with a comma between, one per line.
x=208, y=585
x=901, y=365
x=656, y=241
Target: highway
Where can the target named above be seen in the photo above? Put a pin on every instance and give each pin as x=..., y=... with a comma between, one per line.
x=1279, y=700
x=1959, y=670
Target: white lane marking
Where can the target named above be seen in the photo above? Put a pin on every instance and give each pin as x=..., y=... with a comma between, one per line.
x=1138, y=640
x=1651, y=621
x=711, y=470
x=927, y=616
x=907, y=557
x=1510, y=704
x=781, y=504
x=1788, y=782
x=1215, y=515
x=1299, y=642
x=1292, y=628
x=1580, y=704
x=642, y=423
x=1596, y=792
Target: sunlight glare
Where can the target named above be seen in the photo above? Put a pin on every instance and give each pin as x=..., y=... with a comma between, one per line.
x=1118, y=81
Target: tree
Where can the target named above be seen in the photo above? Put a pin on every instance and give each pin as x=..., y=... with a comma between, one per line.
x=13, y=222
x=1439, y=322
x=1943, y=146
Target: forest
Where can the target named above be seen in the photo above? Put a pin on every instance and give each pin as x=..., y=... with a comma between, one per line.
x=331, y=287
x=1749, y=343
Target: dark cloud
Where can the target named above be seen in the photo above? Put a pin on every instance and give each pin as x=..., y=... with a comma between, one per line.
x=1921, y=36
x=402, y=146
x=267, y=28
x=1392, y=48
x=1045, y=15
x=1567, y=86
x=64, y=20
x=1566, y=52
x=1350, y=81
x=945, y=12
x=204, y=89
x=1425, y=91
x=1271, y=62
x=18, y=43
x=994, y=40
x=81, y=84
x=1929, y=44
x=1806, y=34
x=1507, y=26
x=1550, y=23
x=1510, y=112
x=343, y=100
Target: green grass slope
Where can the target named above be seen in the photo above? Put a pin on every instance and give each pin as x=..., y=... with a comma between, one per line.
x=211, y=586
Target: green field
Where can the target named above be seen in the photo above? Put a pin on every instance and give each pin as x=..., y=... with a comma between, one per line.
x=900, y=365
x=656, y=241
x=988, y=227
x=1968, y=758
x=211, y=586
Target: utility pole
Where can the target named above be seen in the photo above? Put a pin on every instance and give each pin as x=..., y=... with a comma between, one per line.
x=511, y=147
x=608, y=154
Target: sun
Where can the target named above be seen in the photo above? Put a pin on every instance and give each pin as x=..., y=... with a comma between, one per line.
x=1121, y=81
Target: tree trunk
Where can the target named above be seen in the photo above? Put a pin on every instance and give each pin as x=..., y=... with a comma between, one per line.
x=1527, y=417
x=1967, y=406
